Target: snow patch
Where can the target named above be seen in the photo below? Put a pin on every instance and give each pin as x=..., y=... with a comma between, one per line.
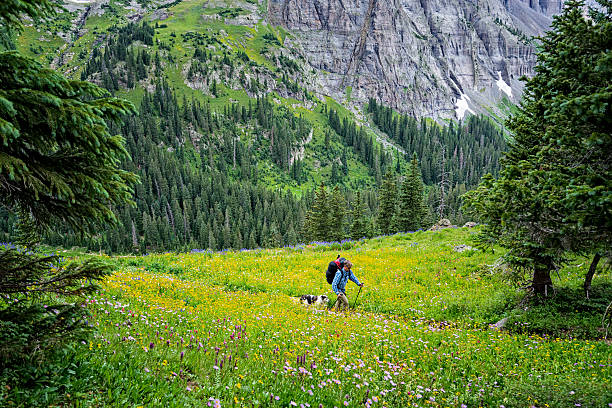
x=462, y=106
x=503, y=86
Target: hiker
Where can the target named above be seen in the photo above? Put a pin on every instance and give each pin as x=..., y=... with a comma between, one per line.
x=339, y=284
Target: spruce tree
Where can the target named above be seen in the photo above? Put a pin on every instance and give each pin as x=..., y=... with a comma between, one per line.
x=307, y=234
x=360, y=224
x=27, y=232
x=387, y=199
x=338, y=214
x=58, y=164
x=320, y=222
x=58, y=161
x=411, y=209
x=552, y=196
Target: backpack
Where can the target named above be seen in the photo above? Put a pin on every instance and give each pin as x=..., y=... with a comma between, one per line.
x=333, y=267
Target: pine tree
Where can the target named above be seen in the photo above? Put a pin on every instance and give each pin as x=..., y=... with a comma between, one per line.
x=338, y=214
x=27, y=232
x=212, y=242
x=320, y=222
x=274, y=238
x=387, y=199
x=58, y=164
x=360, y=224
x=307, y=227
x=411, y=210
x=213, y=88
x=251, y=243
x=552, y=196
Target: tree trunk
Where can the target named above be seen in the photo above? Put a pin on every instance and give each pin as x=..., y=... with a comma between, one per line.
x=589, y=276
x=541, y=282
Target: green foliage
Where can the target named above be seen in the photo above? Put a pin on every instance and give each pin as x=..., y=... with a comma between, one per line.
x=552, y=196
x=462, y=152
x=472, y=148
x=566, y=314
x=206, y=191
x=573, y=93
x=80, y=377
x=319, y=222
x=557, y=393
x=411, y=210
x=328, y=217
x=12, y=12
x=230, y=12
x=387, y=198
x=27, y=280
x=57, y=158
x=362, y=143
x=271, y=38
x=27, y=233
x=258, y=141
x=417, y=287
x=120, y=48
x=58, y=163
x=359, y=227
x=337, y=212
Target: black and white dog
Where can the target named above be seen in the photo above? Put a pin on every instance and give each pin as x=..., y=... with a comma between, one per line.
x=307, y=300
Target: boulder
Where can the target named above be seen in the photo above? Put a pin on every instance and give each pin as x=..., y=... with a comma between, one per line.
x=470, y=224
x=442, y=224
x=500, y=325
x=462, y=248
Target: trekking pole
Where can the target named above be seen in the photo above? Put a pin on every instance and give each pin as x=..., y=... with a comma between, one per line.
x=333, y=304
x=355, y=302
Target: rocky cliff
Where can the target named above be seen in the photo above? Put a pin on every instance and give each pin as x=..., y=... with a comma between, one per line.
x=436, y=58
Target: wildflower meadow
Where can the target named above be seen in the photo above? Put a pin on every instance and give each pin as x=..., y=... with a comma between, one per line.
x=225, y=329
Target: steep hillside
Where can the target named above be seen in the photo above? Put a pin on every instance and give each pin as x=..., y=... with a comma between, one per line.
x=233, y=117
x=424, y=57
x=206, y=53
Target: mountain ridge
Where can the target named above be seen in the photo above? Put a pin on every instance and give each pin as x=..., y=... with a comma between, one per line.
x=417, y=56
x=433, y=58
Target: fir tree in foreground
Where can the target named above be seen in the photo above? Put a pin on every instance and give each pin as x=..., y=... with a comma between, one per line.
x=553, y=196
x=58, y=164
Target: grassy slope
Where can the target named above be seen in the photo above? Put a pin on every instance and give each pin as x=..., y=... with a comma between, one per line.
x=164, y=323
x=201, y=17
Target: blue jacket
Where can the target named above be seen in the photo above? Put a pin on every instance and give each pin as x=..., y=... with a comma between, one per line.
x=342, y=276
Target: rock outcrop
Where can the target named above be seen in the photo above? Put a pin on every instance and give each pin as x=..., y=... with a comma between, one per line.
x=442, y=224
x=500, y=325
x=462, y=248
x=438, y=58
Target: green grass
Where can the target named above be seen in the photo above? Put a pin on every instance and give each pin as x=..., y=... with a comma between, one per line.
x=348, y=93
x=30, y=44
x=167, y=324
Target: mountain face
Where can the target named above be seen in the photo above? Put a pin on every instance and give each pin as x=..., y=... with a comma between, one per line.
x=239, y=98
x=436, y=58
